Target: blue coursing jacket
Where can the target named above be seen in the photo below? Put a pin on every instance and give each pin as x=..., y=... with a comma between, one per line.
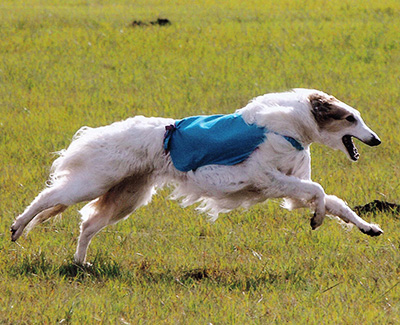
x=197, y=141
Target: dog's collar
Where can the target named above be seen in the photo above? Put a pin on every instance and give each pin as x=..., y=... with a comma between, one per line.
x=296, y=144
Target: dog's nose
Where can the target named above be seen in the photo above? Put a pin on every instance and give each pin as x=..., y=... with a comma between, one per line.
x=374, y=141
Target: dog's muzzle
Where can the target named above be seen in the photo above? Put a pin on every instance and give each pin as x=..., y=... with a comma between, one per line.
x=352, y=149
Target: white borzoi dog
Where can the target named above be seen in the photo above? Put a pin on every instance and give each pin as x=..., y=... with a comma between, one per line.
x=118, y=167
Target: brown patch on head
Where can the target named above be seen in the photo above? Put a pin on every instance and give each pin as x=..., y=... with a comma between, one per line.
x=326, y=112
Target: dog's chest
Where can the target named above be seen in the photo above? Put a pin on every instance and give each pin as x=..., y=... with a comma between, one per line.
x=295, y=164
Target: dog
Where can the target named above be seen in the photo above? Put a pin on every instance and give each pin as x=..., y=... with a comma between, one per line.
x=118, y=167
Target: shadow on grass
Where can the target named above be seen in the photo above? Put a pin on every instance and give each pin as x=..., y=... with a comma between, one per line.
x=97, y=270
x=234, y=279
x=104, y=268
x=38, y=265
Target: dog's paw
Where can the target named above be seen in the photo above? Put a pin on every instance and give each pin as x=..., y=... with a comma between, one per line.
x=16, y=231
x=373, y=231
x=84, y=265
x=316, y=221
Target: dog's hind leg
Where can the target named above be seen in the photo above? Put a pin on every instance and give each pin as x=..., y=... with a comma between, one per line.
x=62, y=194
x=118, y=203
x=47, y=199
x=46, y=214
x=339, y=208
x=95, y=219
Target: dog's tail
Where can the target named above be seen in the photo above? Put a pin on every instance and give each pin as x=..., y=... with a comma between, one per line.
x=45, y=215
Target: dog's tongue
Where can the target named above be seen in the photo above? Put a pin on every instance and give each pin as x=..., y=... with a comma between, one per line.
x=351, y=148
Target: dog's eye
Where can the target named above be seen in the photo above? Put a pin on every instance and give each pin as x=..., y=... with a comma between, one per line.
x=350, y=118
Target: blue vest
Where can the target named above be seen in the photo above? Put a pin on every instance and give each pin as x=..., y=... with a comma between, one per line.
x=198, y=141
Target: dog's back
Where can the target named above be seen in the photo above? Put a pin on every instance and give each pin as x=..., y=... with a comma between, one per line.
x=115, y=151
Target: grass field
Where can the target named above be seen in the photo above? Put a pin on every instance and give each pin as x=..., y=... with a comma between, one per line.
x=64, y=64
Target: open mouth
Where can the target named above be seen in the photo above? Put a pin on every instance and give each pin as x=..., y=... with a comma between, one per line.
x=350, y=147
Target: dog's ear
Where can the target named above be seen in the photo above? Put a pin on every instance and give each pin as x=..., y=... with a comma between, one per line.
x=324, y=109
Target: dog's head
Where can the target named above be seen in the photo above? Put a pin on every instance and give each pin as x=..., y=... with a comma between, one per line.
x=338, y=123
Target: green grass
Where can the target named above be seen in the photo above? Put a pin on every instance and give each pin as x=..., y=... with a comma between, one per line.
x=64, y=64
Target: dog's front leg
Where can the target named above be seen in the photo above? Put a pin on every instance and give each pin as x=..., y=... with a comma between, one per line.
x=303, y=193
x=337, y=207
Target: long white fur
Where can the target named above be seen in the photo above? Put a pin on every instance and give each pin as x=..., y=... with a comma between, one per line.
x=118, y=167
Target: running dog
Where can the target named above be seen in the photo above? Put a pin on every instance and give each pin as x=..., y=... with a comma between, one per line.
x=118, y=167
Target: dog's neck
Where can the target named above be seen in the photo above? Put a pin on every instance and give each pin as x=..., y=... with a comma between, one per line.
x=292, y=123
x=294, y=142
x=303, y=126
